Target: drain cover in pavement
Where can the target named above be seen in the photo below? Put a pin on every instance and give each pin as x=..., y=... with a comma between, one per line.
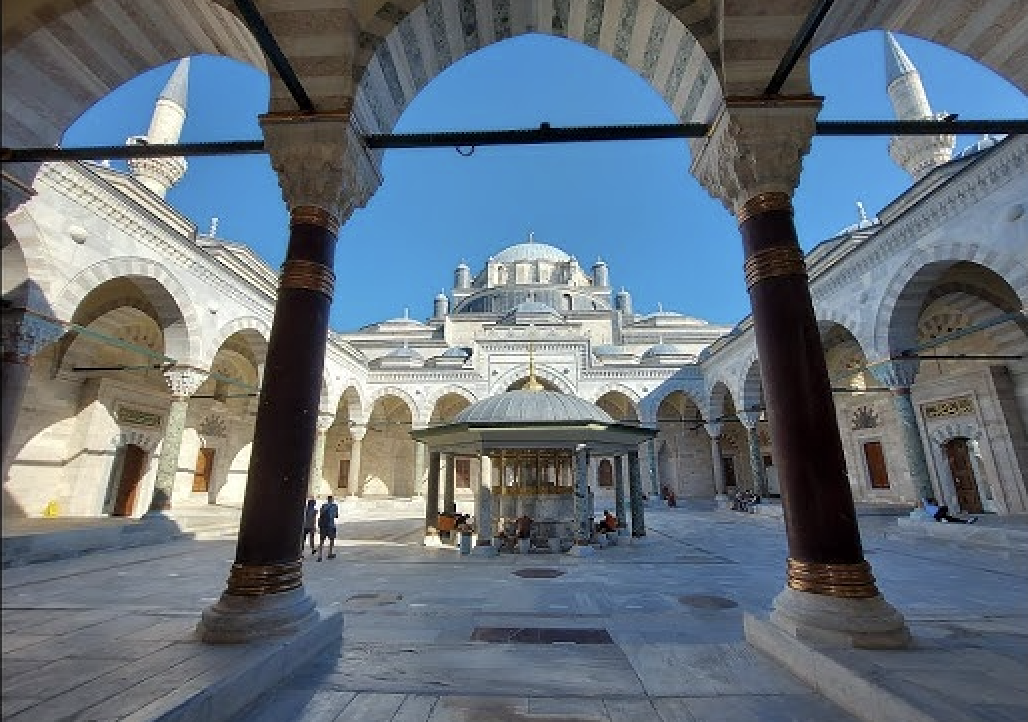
x=540, y=635
x=538, y=573
x=706, y=601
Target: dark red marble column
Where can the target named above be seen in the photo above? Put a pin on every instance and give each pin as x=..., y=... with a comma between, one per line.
x=825, y=554
x=270, y=533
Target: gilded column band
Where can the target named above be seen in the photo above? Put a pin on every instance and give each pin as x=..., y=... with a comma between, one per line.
x=764, y=203
x=256, y=580
x=308, y=275
x=772, y=262
x=853, y=581
x=314, y=216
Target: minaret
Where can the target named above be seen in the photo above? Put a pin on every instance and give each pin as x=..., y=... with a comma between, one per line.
x=916, y=154
x=160, y=174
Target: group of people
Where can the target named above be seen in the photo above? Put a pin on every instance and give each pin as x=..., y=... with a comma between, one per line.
x=324, y=522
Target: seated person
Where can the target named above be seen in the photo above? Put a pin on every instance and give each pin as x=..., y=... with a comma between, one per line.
x=524, y=526
x=609, y=522
x=941, y=513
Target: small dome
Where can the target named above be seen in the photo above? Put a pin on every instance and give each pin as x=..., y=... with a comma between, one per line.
x=531, y=251
x=403, y=352
x=522, y=406
x=456, y=352
x=983, y=143
x=441, y=296
x=662, y=349
x=528, y=312
x=609, y=349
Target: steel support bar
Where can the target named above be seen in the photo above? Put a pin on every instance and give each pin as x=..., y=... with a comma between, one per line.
x=543, y=135
x=798, y=46
x=253, y=19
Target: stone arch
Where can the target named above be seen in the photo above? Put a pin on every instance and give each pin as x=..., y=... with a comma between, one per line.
x=719, y=401
x=995, y=45
x=955, y=430
x=450, y=389
x=632, y=398
x=542, y=372
x=256, y=331
x=82, y=34
x=752, y=392
x=896, y=319
x=176, y=311
x=412, y=406
x=26, y=263
x=678, y=58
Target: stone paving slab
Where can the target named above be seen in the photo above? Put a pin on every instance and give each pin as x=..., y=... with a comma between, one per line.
x=674, y=609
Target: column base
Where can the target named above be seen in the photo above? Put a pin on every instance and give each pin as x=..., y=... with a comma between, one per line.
x=581, y=550
x=819, y=619
x=235, y=619
x=433, y=540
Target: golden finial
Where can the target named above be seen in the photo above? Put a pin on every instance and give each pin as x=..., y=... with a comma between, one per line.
x=533, y=383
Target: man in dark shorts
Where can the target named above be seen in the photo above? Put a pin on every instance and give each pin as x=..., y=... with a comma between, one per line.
x=327, y=527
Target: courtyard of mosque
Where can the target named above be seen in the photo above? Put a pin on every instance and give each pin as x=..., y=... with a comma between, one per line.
x=649, y=630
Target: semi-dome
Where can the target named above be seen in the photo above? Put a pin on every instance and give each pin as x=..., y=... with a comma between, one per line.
x=531, y=251
x=522, y=406
x=662, y=349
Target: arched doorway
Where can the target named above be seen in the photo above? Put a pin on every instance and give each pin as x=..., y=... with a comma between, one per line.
x=958, y=455
x=127, y=474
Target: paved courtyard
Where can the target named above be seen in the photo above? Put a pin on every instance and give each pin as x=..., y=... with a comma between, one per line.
x=649, y=631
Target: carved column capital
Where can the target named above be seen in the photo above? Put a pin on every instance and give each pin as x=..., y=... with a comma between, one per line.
x=322, y=165
x=25, y=334
x=713, y=430
x=749, y=419
x=325, y=421
x=755, y=148
x=896, y=373
x=183, y=381
x=358, y=431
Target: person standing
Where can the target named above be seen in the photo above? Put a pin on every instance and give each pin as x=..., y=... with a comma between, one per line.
x=327, y=527
x=310, y=524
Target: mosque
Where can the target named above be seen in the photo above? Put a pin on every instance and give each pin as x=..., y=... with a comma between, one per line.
x=143, y=359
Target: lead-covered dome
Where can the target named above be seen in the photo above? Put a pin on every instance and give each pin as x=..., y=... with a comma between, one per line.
x=531, y=251
x=521, y=406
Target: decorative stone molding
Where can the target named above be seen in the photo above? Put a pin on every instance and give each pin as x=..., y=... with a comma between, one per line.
x=16, y=191
x=316, y=159
x=184, y=382
x=325, y=421
x=213, y=426
x=713, y=430
x=755, y=147
x=24, y=335
x=896, y=374
x=147, y=442
x=865, y=417
x=749, y=419
x=955, y=430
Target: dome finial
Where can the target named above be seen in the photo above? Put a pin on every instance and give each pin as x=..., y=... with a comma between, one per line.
x=531, y=237
x=214, y=227
x=533, y=383
x=861, y=212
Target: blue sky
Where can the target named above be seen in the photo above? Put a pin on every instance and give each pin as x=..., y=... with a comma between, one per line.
x=634, y=205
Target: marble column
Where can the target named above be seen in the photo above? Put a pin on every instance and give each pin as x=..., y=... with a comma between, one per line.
x=432, y=499
x=751, y=160
x=636, y=495
x=183, y=382
x=316, y=158
x=353, y=475
x=619, y=493
x=899, y=377
x=750, y=420
x=419, y=466
x=449, y=485
x=714, y=432
x=317, y=479
x=654, y=493
x=24, y=335
x=484, y=508
x=583, y=522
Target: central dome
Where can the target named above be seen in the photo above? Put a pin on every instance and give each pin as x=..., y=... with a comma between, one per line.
x=531, y=251
x=521, y=406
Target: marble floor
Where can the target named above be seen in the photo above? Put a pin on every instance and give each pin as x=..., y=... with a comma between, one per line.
x=647, y=632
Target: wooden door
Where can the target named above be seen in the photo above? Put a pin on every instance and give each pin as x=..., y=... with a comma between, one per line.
x=128, y=484
x=963, y=476
x=605, y=474
x=204, y=469
x=728, y=469
x=343, y=481
x=875, y=458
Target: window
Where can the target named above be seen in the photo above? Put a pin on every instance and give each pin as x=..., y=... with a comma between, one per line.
x=344, y=474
